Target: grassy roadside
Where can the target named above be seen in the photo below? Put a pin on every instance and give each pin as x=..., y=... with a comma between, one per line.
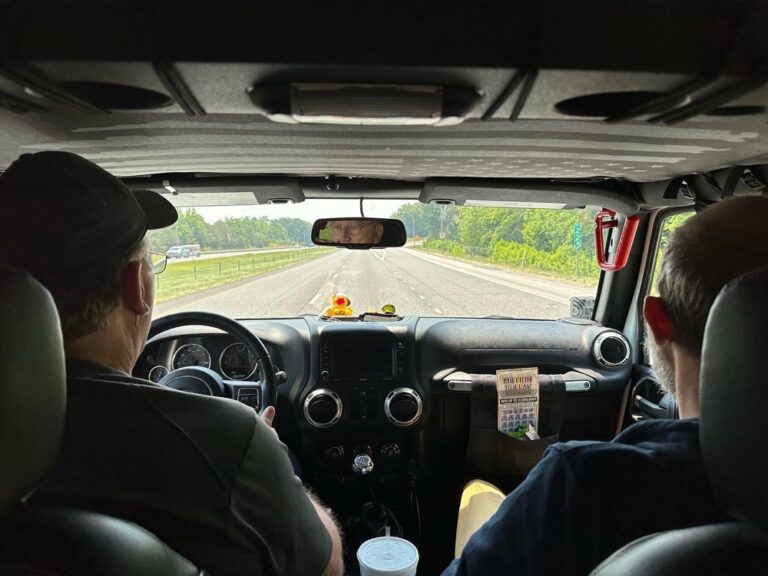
x=585, y=278
x=182, y=278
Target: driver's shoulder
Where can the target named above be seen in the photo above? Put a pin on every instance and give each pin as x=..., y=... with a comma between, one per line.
x=207, y=423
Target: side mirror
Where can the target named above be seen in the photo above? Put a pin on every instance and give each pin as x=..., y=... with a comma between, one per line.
x=359, y=233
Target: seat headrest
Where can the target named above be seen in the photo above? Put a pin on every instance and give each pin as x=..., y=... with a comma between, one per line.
x=32, y=385
x=734, y=398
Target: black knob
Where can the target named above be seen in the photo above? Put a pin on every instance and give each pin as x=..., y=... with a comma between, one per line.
x=324, y=374
x=335, y=453
x=390, y=451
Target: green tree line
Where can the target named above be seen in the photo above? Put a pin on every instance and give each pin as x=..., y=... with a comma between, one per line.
x=231, y=233
x=537, y=239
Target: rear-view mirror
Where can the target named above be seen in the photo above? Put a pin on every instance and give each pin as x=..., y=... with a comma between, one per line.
x=359, y=233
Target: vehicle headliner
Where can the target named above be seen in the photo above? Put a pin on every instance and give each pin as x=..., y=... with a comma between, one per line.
x=209, y=124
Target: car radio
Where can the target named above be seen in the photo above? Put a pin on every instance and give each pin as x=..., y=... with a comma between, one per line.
x=362, y=362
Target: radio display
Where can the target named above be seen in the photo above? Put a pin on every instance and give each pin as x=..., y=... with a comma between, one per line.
x=355, y=362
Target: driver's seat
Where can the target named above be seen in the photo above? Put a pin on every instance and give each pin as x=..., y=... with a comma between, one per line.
x=734, y=444
x=52, y=540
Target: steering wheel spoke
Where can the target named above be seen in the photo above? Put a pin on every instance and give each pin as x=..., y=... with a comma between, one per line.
x=249, y=393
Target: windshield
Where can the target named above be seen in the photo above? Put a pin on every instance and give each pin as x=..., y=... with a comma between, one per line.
x=259, y=262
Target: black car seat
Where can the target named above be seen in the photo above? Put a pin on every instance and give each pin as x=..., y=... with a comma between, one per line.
x=734, y=444
x=45, y=539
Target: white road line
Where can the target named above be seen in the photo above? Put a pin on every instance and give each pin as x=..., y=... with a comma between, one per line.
x=411, y=287
x=438, y=310
x=335, y=275
x=315, y=297
x=422, y=297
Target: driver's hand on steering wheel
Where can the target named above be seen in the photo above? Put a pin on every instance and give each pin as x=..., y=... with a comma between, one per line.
x=269, y=416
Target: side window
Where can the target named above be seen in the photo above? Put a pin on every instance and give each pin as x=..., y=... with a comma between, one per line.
x=668, y=227
x=649, y=401
x=669, y=224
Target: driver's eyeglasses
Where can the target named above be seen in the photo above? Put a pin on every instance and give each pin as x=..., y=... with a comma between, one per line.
x=352, y=228
x=159, y=260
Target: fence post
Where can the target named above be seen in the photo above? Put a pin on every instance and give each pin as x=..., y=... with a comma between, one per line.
x=253, y=265
x=219, y=268
x=238, y=265
x=194, y=271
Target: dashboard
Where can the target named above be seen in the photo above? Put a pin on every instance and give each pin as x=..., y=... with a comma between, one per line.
x=385, y=398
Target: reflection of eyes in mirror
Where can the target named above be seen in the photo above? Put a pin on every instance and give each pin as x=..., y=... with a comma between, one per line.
x=356, y=231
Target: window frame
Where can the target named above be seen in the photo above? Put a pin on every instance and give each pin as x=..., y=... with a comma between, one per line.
x=647, y=278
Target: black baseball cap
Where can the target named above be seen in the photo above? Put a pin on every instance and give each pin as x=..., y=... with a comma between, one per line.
x=64, y=215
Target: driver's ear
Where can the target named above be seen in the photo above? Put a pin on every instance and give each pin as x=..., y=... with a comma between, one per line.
x=133, y=289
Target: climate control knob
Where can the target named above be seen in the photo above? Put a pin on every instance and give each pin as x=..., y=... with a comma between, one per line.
x=403, y=407
x=322, y=408
x=390, y=451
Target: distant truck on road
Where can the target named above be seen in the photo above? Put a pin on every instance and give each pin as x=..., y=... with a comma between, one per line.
x=185, y=251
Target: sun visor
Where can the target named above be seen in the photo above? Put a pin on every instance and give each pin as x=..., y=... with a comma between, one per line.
x=197, y=191
x=521, y=193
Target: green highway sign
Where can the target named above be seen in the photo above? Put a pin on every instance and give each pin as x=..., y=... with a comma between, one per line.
x=577, y=235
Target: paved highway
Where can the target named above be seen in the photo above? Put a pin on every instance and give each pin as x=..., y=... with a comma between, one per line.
x=415, y=282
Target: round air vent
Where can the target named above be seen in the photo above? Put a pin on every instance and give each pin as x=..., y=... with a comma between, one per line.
x=402, y=406
x=611, y=350
x=322, y=408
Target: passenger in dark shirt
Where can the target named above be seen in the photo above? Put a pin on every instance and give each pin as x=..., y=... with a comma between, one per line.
x=585, y=500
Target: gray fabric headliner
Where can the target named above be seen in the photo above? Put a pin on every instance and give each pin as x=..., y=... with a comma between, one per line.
x=136, y=144
x=232, y=138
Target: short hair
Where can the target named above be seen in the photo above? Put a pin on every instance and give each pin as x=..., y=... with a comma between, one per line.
x=85, y=302
x=703, y=255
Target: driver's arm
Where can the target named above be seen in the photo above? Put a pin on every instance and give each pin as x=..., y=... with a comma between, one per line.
x=270, y=505
x=336, y=562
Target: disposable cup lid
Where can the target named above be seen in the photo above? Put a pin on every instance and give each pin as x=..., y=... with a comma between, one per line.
x=398, y=557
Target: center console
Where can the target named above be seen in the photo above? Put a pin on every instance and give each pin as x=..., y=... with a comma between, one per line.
x=361, y=409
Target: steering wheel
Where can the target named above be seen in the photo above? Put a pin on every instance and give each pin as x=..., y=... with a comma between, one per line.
x=200, y=380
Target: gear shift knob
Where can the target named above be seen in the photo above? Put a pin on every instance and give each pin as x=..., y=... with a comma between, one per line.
x=363, y=464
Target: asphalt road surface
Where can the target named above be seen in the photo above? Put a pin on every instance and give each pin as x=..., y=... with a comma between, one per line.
x=415, y=282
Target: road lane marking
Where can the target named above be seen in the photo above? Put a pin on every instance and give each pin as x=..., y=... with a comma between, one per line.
x=315, y=297
x=438, y=310
x=422, y=297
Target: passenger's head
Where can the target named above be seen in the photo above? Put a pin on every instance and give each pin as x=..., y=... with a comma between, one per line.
x=356, y=231
x=708, y=251
x=81, y=232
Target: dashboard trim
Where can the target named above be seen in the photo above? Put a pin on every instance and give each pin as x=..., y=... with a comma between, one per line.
x=333, y=396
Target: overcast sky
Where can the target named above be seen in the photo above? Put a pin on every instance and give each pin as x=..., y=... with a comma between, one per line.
x=309, y=210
